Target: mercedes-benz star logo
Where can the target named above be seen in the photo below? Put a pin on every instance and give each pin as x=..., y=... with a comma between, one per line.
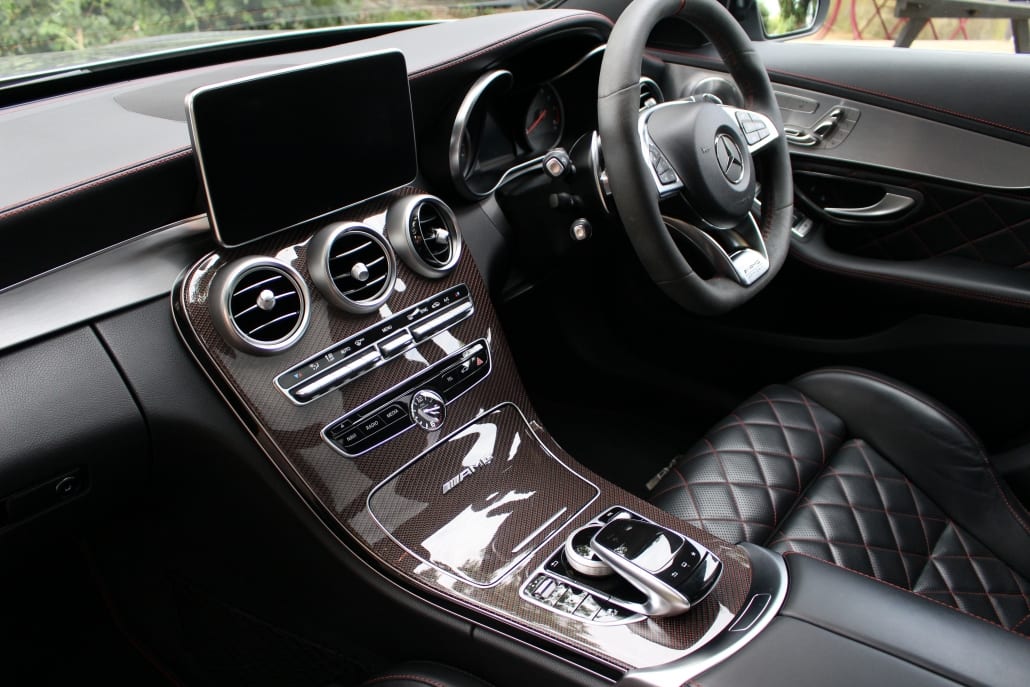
x=731, y=161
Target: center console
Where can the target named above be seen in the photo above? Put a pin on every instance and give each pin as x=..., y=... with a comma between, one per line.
x=408, y=429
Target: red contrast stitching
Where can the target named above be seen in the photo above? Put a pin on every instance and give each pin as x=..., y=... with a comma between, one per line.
x=864, y=274
x=511, y=39
x=414, y=678
x=92, y=183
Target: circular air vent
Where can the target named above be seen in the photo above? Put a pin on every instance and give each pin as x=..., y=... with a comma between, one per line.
x=650, y=93
x=352, y=266
x=424, y=232
x=259, y=305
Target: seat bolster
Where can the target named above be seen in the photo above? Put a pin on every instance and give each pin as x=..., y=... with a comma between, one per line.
x=933, y=448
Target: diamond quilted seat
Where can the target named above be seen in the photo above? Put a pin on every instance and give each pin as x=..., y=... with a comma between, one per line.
x=861, y=471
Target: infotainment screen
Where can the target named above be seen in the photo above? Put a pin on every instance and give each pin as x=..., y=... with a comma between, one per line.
x=282, y=148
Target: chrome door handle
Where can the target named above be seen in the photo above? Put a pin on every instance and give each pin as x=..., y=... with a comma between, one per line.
x=890, y=205
x=799, y=136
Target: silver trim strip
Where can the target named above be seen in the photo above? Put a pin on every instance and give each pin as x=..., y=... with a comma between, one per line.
x=459, y=129
x=538, y=530
x=580, y=62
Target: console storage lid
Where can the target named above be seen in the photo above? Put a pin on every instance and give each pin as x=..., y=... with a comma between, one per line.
x=847, y=629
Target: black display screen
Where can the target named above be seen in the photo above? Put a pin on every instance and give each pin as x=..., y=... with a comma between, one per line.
x=286, y=147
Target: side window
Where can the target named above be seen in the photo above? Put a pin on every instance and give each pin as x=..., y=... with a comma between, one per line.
x=979, y=25
x=928, y=24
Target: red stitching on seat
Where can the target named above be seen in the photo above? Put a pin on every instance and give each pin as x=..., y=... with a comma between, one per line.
x=881, y=510
x=401, y=676
x=959, y=424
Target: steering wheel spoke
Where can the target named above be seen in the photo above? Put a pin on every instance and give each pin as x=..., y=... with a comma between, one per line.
x=666, y=180
x=757, y=129
x=743, y=259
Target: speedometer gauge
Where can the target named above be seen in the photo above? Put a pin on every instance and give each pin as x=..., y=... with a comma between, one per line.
x=545, y=117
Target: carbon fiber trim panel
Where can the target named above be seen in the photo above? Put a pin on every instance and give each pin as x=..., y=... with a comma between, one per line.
x=341, y=486
x=482, y=500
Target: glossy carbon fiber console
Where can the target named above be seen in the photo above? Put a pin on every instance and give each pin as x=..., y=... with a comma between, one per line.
x=481, y=464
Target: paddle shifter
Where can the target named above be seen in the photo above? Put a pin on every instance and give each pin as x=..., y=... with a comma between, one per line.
x=673, y=572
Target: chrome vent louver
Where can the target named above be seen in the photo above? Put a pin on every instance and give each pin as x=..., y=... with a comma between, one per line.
x=650, y=93
x=424, y=232
x=352, y=266
x=259, y=305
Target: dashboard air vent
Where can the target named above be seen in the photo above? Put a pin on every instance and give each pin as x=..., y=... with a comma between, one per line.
x=650, y=93
x=352, y=266
x=259, y=305
x=424, y=232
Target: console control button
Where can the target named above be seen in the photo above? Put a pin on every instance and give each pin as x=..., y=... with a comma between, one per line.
x=345, y=360
x=588, y=608
x=392, y=414
x=421, y=400
x=353, y=368
x=427, y=328
x=395, y=344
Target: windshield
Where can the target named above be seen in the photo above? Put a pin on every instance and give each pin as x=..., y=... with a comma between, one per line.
x=45, y=35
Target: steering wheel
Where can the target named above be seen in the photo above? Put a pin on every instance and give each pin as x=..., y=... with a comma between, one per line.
x=700, y=152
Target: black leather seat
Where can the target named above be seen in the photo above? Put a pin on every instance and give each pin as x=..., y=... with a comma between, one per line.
x=424, y=674
x=859, y=470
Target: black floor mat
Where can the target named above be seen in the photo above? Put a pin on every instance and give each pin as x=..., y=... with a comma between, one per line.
x=56, y=630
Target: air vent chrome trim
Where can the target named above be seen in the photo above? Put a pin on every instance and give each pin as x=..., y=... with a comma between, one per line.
x=399, y=219
x=223, y=286
x=320, y=256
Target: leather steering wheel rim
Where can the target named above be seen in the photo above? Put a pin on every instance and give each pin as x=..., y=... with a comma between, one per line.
x=633, y=189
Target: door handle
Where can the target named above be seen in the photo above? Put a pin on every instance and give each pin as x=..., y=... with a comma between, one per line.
x=891, y=205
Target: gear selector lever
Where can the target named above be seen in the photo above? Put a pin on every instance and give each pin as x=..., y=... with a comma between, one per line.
x=672, y=571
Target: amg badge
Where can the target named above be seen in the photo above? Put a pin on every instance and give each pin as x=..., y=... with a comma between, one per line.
x=466, y=472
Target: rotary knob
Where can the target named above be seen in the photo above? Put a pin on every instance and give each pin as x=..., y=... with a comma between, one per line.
x=427, y=409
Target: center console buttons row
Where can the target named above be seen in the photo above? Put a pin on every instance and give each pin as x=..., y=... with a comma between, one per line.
x=419, y=401
x=374, y=346
x=569, y=599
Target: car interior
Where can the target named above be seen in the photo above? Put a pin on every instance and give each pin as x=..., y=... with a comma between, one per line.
x=607, y=343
